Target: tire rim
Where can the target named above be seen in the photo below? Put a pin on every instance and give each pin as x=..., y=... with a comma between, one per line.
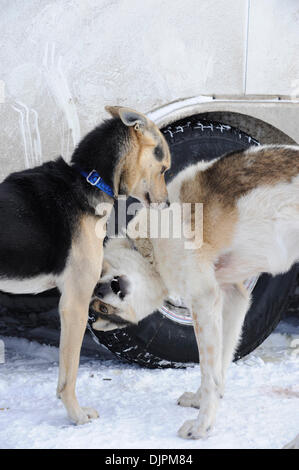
x=181, y=314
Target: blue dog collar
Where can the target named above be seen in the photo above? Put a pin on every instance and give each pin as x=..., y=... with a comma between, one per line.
x=95, y=179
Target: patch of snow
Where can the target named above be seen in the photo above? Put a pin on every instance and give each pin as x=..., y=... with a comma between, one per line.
x=138, y=406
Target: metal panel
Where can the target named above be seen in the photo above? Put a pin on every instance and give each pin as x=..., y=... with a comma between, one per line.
x=273, y=45
x=62, y=61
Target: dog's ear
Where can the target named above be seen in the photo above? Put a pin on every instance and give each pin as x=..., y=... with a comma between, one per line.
x=113, y=110
x=129, y=116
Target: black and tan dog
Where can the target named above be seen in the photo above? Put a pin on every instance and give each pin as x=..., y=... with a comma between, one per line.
x=48, y=224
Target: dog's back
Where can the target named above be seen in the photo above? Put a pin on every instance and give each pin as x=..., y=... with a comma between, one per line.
x=236, y=174
x=38, y=212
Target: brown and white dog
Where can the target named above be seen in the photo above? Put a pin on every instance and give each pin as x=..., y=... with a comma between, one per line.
x=50, y=217
x=250, y=225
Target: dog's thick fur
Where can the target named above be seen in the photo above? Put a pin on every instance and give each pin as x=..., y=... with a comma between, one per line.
x=250, y=225
x=48, y=224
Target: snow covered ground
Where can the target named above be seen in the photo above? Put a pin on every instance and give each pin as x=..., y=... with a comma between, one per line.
x=138, y=407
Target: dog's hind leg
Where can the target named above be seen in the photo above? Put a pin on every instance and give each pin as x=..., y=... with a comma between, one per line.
x=235, y=306
x=79, y=280
x=207, y=319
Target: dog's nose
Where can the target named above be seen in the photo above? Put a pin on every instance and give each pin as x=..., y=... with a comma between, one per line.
x=102, y=289
x=167, y=203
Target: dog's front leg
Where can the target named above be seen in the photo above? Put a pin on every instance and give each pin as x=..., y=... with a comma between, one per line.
x=77, y=285
x=207, y=319
x=73, y=308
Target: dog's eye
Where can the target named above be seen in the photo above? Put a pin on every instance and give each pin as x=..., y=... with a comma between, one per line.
x=103, y=309
x=163, y=169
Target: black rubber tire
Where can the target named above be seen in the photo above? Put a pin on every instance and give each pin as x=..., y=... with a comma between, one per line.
x=158, y=341
x=23, y=303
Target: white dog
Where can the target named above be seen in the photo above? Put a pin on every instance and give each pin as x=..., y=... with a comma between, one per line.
x=250, y=225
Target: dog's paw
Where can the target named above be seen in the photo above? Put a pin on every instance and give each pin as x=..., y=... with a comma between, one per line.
x=85, y=416
x=192, y=429
x=91, y=413
x=189, y=399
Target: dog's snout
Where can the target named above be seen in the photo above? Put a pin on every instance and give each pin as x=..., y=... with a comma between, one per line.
x=167, y=203
x=102, y=289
